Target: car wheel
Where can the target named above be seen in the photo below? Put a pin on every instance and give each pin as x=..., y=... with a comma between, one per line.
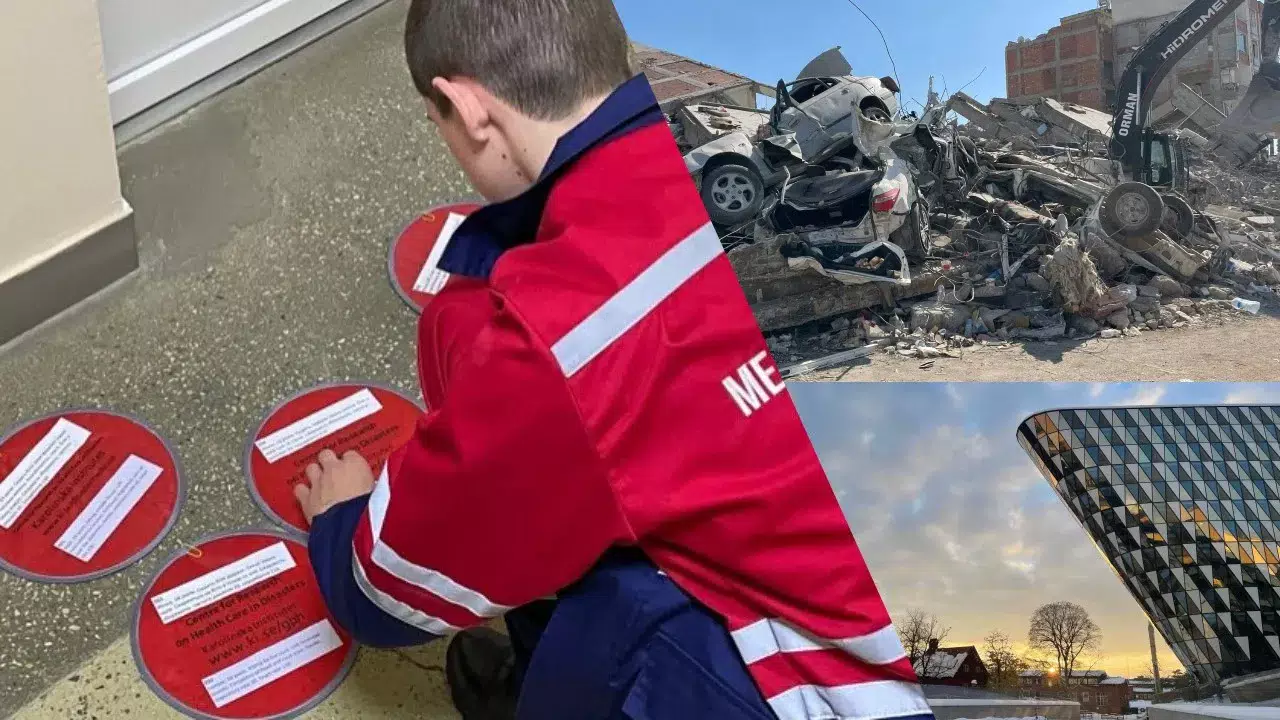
x=877, y=113
x=1132, y=209
x=733, y=194
x=1179, y=219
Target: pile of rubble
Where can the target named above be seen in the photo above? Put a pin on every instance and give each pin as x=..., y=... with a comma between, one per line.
x=1015, y=249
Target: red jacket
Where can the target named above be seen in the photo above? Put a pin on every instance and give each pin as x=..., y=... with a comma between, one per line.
x=601, y=381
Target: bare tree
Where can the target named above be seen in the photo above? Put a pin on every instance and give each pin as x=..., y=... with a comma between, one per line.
x=917, y=630
x=1065, y=630
x=1003, y=664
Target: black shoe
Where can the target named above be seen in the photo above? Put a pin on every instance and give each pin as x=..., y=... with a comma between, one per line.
x=480, y=668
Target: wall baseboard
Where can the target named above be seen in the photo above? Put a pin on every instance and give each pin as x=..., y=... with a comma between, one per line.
x=169, y=86
x=76, y=273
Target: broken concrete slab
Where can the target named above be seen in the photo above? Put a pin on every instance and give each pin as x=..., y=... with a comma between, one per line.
x=1008, y=190
x=703, y=123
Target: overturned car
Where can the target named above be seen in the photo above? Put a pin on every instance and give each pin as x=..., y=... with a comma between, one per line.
x=820, y=169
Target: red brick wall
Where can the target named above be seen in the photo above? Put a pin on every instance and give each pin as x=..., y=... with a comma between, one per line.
x=1104, y=699
x=1037, y=54
x=1039, y=82
x=1080, y=45
x=1081, y=75
x=1094, y=98
x=1066, y=63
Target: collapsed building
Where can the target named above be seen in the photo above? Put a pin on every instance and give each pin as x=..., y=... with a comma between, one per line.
x=968, y=223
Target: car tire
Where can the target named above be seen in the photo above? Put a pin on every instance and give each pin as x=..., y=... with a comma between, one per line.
x=913, y=233
x=1179, y=219
x=877, y=113
x=1131, y=209
x=732, y=194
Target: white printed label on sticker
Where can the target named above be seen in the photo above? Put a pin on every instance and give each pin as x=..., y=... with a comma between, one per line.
x=223, y=582
x=431, y=278
x=271, y=663
x=320, y=424
x=38, y=468
x=104, y=513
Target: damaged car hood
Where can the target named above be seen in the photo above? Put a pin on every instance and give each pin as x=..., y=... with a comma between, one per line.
x=830, y=63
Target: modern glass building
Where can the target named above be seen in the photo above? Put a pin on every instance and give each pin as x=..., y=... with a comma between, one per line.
x=1184, y=502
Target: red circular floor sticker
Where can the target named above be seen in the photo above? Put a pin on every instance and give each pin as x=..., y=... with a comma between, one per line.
x=372, y=420
x=83, y=493
x=416, y=252
x=236, y=627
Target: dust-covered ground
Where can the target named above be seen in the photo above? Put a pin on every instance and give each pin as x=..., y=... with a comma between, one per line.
x=1243, y=348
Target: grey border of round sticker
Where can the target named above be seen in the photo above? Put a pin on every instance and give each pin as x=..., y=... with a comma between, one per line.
x=137, y=557
x=173, y=702
x=395, y=241
x=247, y=458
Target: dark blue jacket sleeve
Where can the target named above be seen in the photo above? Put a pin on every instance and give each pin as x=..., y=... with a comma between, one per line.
x=329, y=546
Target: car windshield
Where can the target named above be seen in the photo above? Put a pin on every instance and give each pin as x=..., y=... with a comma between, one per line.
x=1161, y=164
x=805, y=90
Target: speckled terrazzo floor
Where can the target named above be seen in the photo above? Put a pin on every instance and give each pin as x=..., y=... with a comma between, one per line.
x=264, y=217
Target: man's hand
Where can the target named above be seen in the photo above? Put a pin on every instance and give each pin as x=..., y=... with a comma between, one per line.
x=333, y=481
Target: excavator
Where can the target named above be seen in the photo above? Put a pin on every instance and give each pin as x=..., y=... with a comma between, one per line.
x=1153, y=164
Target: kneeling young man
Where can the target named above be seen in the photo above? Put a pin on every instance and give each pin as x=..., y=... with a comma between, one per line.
x=606, y=426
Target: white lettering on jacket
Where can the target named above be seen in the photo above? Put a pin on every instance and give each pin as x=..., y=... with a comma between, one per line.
x=754, y=384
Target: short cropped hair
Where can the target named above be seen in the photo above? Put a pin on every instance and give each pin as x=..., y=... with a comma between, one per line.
x=543, y=57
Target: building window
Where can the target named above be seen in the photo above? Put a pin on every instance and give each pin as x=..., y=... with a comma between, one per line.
x=1210, y=466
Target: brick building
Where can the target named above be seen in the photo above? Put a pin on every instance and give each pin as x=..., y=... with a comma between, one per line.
x=1073, y=62
x=1109, y=696
x=678, y=80
x=1032, y=679
x=1096, y=691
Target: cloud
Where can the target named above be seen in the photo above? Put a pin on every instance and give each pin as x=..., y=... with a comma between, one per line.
x=1146, y=395
x=953, y=517
x=1253, y=395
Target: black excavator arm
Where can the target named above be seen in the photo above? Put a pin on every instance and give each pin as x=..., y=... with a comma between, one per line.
x=1150, y=65
x=1135, y=209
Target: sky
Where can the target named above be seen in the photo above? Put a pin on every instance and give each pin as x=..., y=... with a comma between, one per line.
x=953, y=40
x=954, y=519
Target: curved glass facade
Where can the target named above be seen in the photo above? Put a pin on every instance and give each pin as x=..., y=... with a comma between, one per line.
x=1184, y=502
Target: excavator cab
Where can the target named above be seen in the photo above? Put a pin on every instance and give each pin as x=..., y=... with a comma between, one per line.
x=1154, y=164
x=1165, y=165
x=1159, y=168
x=1153, y=198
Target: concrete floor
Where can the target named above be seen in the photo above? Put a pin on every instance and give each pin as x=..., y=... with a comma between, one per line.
x=382, y=686
x=264, y=217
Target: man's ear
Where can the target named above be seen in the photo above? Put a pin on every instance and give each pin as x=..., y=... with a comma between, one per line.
x=466, y=103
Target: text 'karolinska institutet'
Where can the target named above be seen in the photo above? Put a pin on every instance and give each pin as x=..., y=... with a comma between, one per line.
x=1185, y=504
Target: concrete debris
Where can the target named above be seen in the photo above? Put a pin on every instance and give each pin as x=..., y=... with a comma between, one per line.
x=1073, y=276
x=1167, y=287
x=926, y=235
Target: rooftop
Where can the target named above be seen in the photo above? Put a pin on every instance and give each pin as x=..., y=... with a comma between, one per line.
x=678, y=78
x=943, y=662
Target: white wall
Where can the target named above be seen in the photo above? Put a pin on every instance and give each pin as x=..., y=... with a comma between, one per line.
x=58, y=176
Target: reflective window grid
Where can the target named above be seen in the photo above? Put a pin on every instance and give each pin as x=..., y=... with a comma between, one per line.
x=1184, y=502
